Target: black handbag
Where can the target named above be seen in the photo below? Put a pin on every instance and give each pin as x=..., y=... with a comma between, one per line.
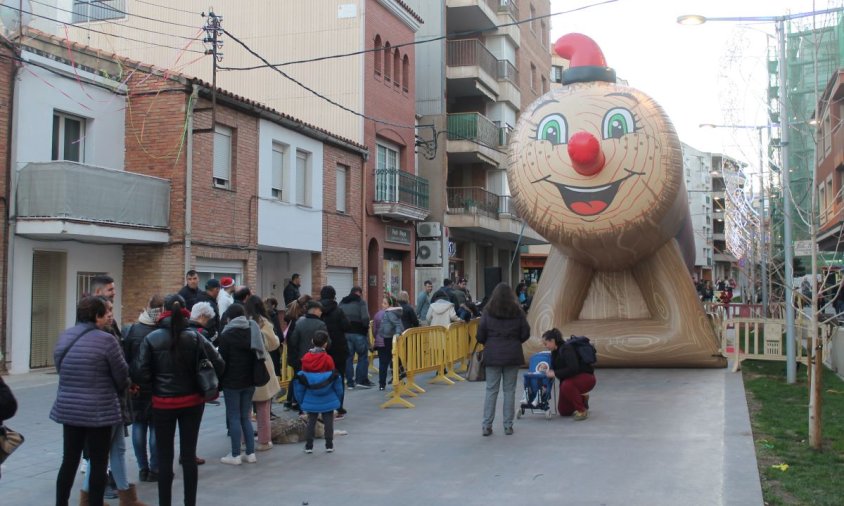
x=206, y=376
x=260, y=375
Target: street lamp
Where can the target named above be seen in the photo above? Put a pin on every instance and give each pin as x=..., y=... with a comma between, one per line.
x=762, y=250
x=696, y=19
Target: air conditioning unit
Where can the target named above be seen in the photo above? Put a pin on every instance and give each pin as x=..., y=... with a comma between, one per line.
x=429, y=229
x=429, y=253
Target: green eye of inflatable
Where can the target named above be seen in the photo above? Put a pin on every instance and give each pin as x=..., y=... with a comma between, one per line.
x=552, y=128
x=617, y=123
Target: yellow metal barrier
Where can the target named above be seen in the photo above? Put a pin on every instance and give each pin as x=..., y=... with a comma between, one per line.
x=373, y=353
x=286, y=375
x=457, y=338
x=415, y=351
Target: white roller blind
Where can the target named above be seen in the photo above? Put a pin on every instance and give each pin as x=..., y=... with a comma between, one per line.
x=278, y=172
x=342, y=171
x=222, y=155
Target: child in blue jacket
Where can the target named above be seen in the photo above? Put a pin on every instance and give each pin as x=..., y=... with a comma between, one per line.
x=319, y=388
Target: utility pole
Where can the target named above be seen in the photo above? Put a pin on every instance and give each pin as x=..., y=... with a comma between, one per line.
x=213, y=31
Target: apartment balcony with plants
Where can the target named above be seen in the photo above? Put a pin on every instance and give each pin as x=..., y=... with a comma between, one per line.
x=479, y=210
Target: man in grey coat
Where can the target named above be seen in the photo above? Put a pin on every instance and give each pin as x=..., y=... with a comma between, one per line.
x=357, y=339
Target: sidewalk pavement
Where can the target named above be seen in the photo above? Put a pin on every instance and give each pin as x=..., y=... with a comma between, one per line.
x=653, y=437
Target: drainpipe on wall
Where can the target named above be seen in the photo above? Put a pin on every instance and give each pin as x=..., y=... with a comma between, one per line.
x=7, y=218
x=189, y=177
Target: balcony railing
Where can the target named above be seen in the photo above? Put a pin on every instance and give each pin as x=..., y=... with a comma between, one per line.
x=508, y=72
x=72, y=191
x=510, y=7
x=473, y=200
x=474, y=126
x=471, y=53
x=397, y=186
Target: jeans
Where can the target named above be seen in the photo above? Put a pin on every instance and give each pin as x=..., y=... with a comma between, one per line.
x=328, y=425
x=357, y=344
x=238, y=410
x=116, y=459
x=98, y=441
x=165, y=430
x=494, y=374
x=385, y=360
x=139, y=442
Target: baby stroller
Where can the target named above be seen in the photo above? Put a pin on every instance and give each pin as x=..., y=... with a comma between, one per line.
x=539, y=388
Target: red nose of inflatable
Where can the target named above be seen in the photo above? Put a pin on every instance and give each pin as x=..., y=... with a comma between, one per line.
x=586, y=155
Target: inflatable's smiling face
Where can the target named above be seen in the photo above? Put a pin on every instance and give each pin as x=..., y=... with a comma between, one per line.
x=594, y=159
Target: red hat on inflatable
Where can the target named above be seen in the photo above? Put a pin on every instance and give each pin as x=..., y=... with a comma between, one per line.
x=586, y=58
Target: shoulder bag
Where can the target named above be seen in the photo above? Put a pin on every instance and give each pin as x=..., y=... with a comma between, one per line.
x=206, y=376
x=9, y=442
x=477, y=371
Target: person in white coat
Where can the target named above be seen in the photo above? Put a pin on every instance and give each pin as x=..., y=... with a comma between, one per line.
x=442, y=310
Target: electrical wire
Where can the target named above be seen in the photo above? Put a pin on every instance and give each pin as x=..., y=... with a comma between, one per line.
x=122, y=25
x=416, y=42
x=93, y=30
x=166, y=7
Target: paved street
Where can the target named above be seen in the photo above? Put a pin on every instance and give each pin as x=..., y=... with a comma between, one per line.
x=654, y=437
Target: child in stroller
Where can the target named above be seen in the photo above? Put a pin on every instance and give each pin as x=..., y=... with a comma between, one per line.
x=538, y=387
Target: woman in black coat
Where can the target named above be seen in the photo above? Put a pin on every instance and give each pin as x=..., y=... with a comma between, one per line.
x=577, y=378
x=502, y=330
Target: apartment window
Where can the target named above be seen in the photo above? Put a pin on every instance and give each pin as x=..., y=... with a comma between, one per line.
x=388, y=58
x=342, y=187
x=532, y=18
x=544, y=85
x=396, y=68
x=303, y=178
x=377, y=55
x=405, y=73
x=556, y=73
x=278, y=172
x=387, y=167
x=222, y=156
x=544, y=33
x=85, y=11
x=68, y=137
x=533, y=84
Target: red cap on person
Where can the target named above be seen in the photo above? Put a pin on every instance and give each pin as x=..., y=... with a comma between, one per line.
x=226, y=282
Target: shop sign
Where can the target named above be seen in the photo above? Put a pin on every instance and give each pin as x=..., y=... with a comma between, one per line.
x=398, y=235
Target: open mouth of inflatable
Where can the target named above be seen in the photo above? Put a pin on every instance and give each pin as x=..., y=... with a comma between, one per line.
x=591, y=200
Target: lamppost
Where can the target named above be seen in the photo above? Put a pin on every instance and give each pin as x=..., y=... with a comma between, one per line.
x=696, y=19
x=763, y=267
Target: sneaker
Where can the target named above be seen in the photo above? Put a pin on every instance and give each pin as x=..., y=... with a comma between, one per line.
x=153, y=477
x=143, y=475
x=309, y=449
x=110, y=492
x=381, y=388
x=251, y=458
x=230, y=460
x=581, y=415
x=350, y=387
x=339, y=416
x=273, y=416
x=487, y=431
x=508, y=431
x=365, y=386
x=262, y=447
x=329, y=448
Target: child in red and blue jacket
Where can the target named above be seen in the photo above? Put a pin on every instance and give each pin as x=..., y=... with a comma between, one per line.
x=319, y=388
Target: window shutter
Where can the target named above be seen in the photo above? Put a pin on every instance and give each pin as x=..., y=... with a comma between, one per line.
x=341, y=188
x=278, y=171
x=222, y=154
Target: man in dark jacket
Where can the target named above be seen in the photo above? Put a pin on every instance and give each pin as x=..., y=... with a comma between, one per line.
x=299, y=341
x=291, y=291
x=337, y=324
x=190, y=291
x=354, y=307
x=449, y=291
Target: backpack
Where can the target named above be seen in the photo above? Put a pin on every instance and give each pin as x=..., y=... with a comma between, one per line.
x=586, y=352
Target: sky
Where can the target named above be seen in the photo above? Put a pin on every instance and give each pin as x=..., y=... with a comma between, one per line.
x=712, y=73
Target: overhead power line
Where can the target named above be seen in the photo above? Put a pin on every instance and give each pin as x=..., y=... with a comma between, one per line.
x=416, y=42
x=23, y=11
x=122, y=25
x=167, y=7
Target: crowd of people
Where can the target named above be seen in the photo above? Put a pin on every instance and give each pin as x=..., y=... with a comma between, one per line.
x=143, y=379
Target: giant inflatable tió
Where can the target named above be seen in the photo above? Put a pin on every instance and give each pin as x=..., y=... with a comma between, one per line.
x=596, y=168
